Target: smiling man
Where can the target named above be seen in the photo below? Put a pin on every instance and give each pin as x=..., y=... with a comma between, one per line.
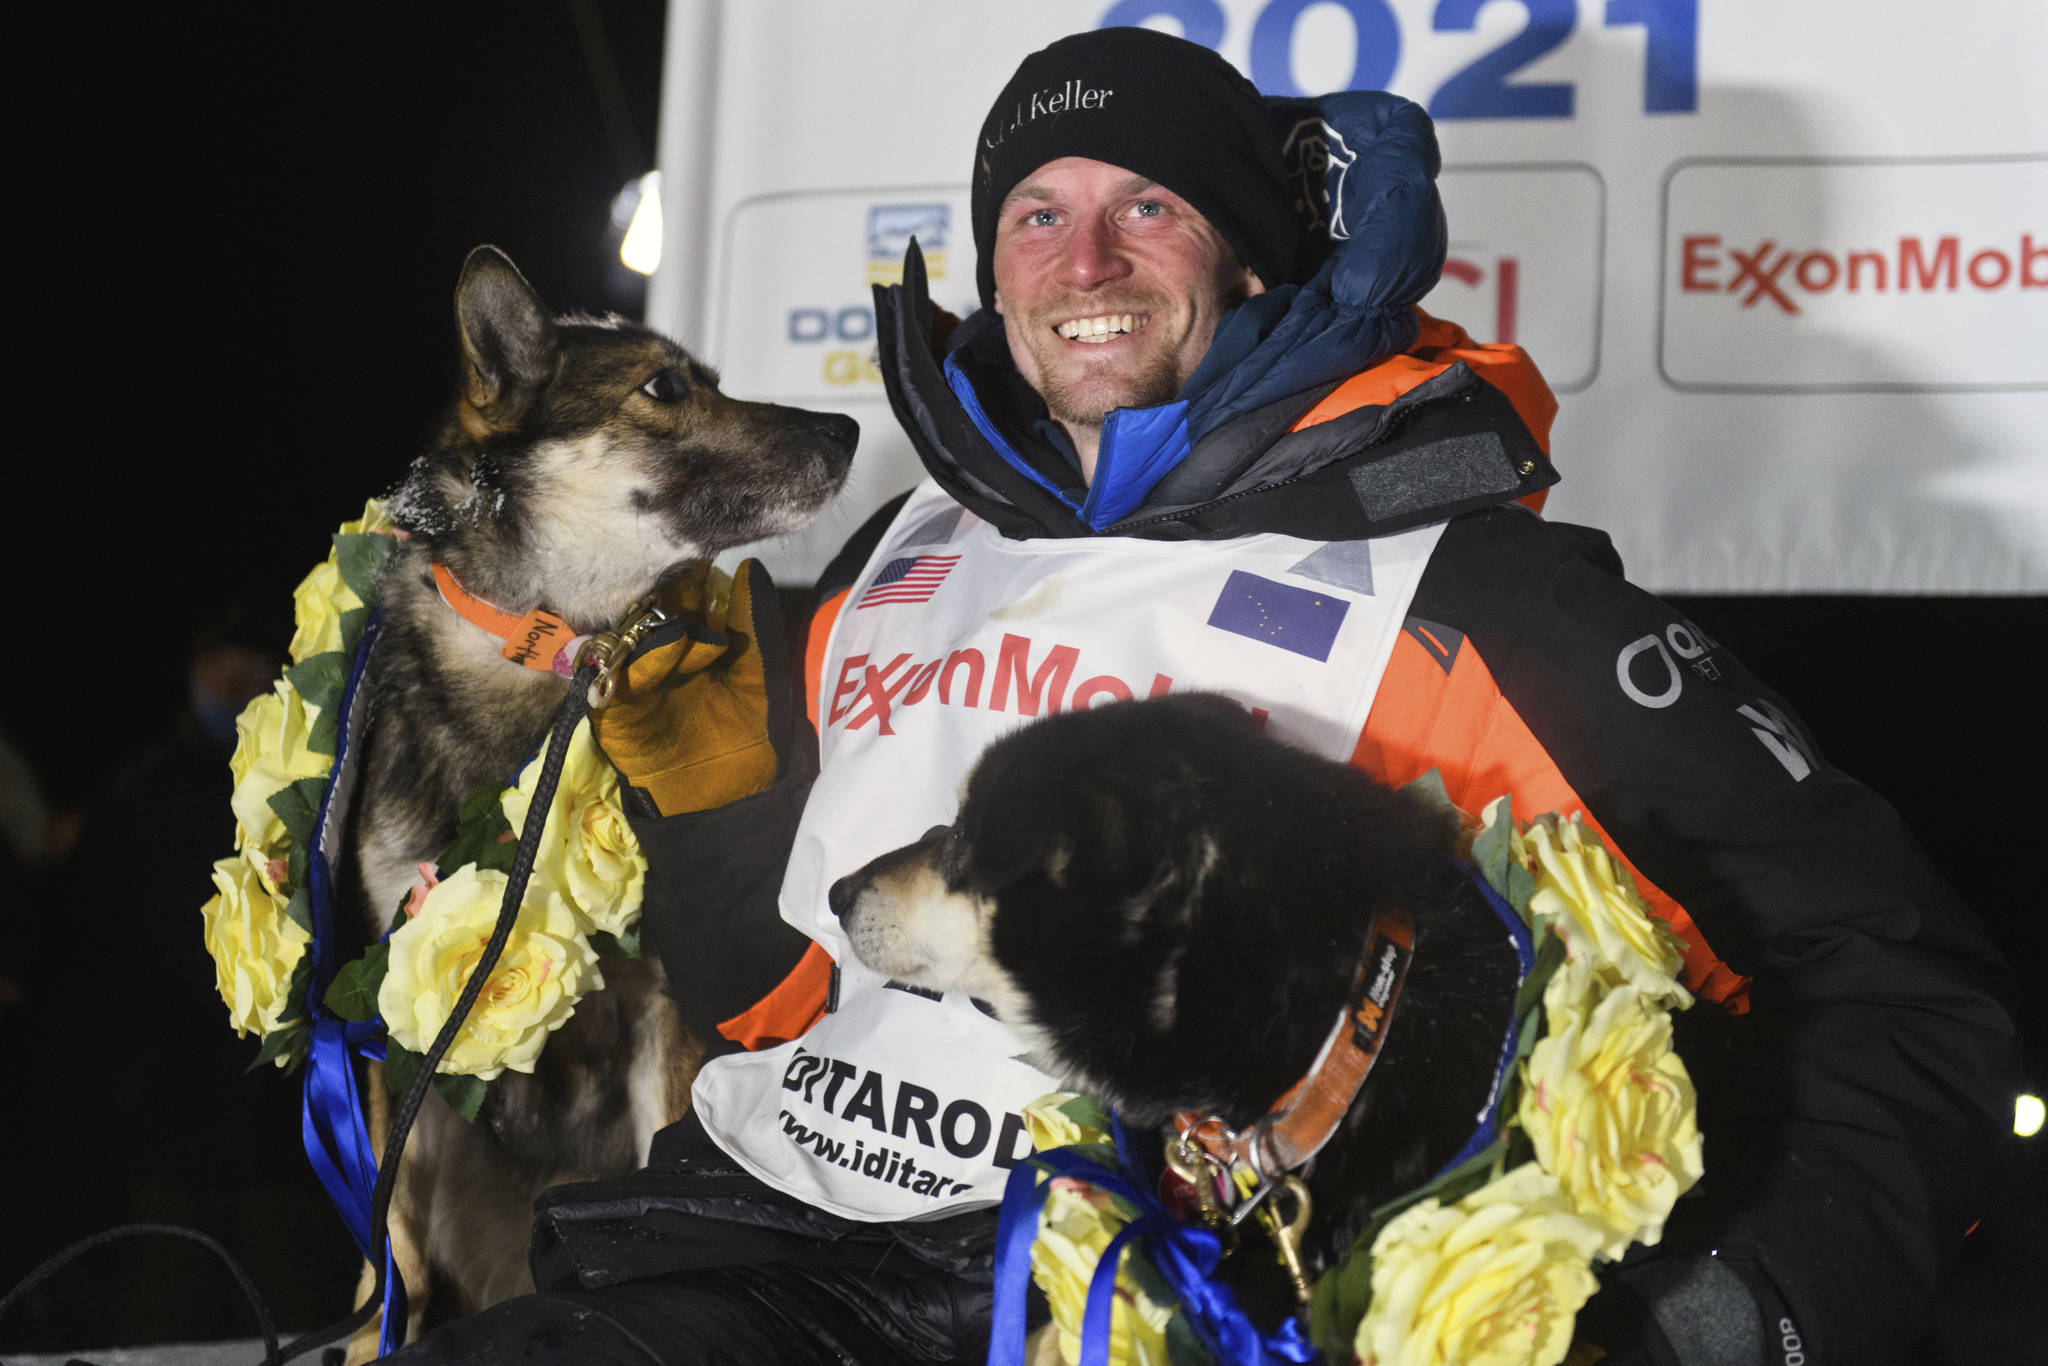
x=1110, y=288
x=1198, y=440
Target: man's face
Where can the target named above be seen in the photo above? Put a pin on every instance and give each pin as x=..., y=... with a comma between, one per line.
x=1110, y=287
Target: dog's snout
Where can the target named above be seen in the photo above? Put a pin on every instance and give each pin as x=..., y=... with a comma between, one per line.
x=837, y=428
x=845, y=892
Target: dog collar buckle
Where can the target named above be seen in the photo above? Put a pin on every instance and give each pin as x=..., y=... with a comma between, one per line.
x=609, y=650
x=1303, y=1118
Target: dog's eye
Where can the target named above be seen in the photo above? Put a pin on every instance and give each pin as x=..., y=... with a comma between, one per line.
x=666, y=387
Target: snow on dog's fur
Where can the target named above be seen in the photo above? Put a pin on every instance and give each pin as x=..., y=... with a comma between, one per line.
x=583, y=461
x=1170, y=909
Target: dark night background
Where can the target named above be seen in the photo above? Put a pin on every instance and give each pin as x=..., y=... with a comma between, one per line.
x=236, y=324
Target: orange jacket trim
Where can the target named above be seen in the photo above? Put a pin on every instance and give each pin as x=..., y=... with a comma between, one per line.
x=1460, y=724
x=1438, y=346
x=795, y=1004
x=822, y=622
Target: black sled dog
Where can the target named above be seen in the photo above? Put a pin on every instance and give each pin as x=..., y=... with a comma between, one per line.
x=1172, y=911
x=583, y=461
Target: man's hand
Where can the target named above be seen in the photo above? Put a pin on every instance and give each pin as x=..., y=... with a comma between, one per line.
x=701, y=715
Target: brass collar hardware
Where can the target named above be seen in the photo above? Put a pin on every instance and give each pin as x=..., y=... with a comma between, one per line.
x=609, y=650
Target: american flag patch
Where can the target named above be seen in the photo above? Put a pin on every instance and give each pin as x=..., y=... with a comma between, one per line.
x=911, y=579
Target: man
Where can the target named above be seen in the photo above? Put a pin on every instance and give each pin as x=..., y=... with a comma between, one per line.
x=1170, y=391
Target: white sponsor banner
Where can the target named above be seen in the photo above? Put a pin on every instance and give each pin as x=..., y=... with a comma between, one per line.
x=1636, y=190
x=1814, y=275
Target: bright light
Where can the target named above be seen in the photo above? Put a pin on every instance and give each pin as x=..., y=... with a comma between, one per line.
x=2026, y=1116
x=641, y=249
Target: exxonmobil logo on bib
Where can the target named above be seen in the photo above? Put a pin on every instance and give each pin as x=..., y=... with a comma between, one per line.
x=1856, y=275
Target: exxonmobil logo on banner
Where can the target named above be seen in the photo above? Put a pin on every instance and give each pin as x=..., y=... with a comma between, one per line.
x=1781, y=275
x=1817, y=275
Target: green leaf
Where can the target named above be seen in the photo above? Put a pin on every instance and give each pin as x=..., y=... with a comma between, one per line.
x=295, y=990
x=478, y=836
x=401, y=1065
x=353, y=992
x=1087, y=1112
x=287, y=1041
x=298, y=806
x=353, y=622
x=1429, y=788
x=323, y=734
x=1492, y=850
x=297, y=871
x=362, y=559
x=1183, y=1348
x=1102, y=1155
x=465, y=1095
x=1146, y=1277
x=1341, y=1297
x=498, y=855
x=622, y=945
x=1521, y=886
x=299, y=910
x=1549, y=958
x=1338, y=1304
x=320, y=679
x=481, y=803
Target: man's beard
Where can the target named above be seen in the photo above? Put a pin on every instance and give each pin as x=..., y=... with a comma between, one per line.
x=1085, y=400
x=1079, y=398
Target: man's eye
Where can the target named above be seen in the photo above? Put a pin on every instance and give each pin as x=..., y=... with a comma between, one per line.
x=1148, y=208
x=665, y=387
x=1041, y=218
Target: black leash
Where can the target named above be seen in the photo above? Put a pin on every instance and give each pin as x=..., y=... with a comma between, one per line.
x=51, y=1266
x=567, y=717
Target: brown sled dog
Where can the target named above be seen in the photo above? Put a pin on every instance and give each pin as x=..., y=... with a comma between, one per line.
x=583, y=461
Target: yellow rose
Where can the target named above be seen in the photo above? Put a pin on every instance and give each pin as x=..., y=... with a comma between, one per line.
x=1610, y=1107
x=317, y=605
x=1050, y=1126
x=254, y=945
x=588, y=853
x=1074, y=1231
x=546, y=968
x=1592, y=902
x=270, y=755
x=322, y=596
x=1494, y=1280
x=374, y=518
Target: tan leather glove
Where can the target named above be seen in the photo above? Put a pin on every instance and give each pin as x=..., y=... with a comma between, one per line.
x=701, y=716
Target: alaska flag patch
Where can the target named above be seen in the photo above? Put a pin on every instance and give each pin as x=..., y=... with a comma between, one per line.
x=1296, y=619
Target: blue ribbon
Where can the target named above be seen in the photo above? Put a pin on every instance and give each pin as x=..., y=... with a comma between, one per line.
x=1185, y=1256
x=1488, y=1127
x=331, y=1115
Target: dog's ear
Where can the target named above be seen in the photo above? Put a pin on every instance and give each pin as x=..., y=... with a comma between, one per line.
x=508, y=341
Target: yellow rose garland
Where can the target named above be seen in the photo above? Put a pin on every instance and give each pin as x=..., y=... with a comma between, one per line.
x=1490, y=1262
x=587, y=880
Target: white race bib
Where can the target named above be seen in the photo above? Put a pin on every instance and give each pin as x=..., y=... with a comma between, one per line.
x=899, y=1106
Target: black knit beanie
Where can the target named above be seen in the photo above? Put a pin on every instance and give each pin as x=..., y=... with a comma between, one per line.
x=1162, y=107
